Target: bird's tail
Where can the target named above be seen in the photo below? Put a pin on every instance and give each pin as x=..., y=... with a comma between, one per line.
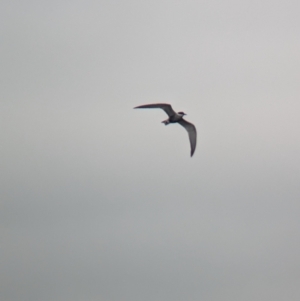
x=166, y=122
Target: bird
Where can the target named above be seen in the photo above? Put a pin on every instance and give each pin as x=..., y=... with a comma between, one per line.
x=175, y=118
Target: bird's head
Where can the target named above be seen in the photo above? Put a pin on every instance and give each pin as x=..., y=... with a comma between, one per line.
x=181, y=113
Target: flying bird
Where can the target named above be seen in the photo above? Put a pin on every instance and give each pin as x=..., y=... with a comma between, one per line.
x=175, y=118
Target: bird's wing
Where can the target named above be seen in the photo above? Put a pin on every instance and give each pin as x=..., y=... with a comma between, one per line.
x=192, y=133
x=165, y=106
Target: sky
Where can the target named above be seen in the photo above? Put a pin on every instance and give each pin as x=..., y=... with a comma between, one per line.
x=100, y=202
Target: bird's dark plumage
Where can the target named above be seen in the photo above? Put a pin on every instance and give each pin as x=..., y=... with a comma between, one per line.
x=175, y=118
x=165, y=106
x=191, y=129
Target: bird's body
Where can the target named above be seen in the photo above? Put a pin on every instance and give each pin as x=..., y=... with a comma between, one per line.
x=175, y=118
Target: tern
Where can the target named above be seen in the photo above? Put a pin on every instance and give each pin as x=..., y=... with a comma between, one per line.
x=175, y=118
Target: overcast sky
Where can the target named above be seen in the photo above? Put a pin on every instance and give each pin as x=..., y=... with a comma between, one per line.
x=100, y=202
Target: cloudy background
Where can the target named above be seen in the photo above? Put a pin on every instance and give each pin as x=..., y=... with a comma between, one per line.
x=100, y=202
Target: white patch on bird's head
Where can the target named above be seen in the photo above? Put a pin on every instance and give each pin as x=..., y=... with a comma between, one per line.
x=181, y=113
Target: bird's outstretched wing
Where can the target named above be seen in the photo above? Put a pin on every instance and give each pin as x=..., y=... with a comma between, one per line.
x=165, y=106
x=192, y=133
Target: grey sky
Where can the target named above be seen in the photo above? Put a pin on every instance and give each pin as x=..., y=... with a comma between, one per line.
x=102, y=202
